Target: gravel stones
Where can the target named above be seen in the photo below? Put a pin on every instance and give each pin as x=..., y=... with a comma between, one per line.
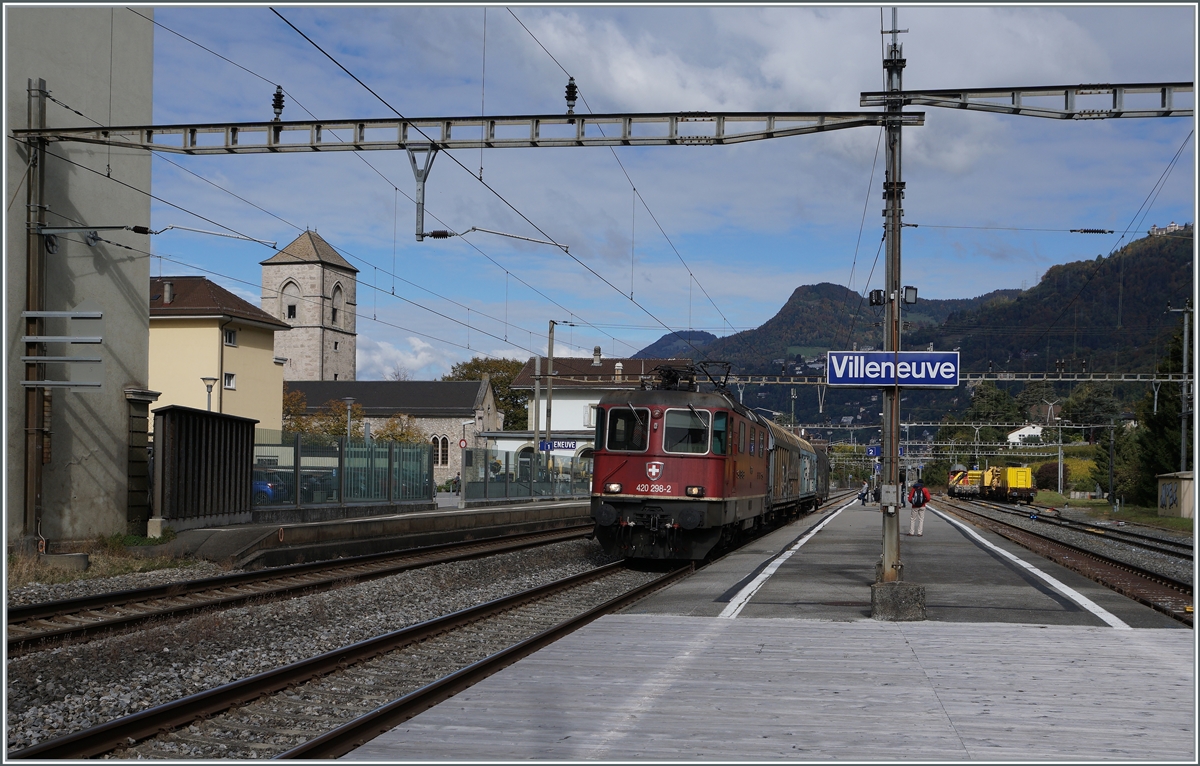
x=73, y=687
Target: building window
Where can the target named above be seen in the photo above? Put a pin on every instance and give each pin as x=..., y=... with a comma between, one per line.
x=335, y=376
x=291, y=314
x=441, y=450
x=336, y=301
x=589, y=416
x=231, y=337
x=335, y=345
x=230, y=381
x=445, y=451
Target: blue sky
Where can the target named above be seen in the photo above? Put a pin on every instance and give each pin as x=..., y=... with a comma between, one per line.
x=752, y=222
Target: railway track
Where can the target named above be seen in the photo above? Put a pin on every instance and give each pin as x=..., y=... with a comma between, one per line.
x=38, y=626
x=1180, y=548
x=1168, y=595
x=327, y=705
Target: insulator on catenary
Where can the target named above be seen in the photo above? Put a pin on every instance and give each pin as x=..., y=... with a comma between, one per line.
x=277, y=101
x=439, y=234
x=1091, y=231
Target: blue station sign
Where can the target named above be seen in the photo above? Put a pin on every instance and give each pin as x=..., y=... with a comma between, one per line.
x=558, y=444
x=911, y=369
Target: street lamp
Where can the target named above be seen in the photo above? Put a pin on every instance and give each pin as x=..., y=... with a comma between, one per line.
x=349, y=400
x=1049, y=413
x=209, y=382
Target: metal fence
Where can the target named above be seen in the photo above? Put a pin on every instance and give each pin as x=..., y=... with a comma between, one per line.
x=298, y=469
x=201, y=465
x=498, y=474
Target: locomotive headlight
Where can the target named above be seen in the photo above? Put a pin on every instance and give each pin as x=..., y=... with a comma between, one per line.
x=612, y=489
x=695, y=491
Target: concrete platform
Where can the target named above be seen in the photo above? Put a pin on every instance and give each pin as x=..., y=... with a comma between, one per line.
x=252, y=546
x=771, y=653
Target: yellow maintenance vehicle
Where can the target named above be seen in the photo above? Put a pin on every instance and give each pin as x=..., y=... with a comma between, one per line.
x=1010, y=485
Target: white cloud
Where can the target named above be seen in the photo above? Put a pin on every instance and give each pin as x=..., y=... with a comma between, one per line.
x=424, y=361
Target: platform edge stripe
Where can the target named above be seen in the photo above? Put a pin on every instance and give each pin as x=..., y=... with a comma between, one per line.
x=1085, y=602
x=738, y=602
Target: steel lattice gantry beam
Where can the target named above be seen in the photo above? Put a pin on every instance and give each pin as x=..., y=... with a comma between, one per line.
x=969, y=377
x=441, y=133
x=1016, y=100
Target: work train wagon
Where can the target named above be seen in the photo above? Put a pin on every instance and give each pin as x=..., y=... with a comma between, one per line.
x=679, y=473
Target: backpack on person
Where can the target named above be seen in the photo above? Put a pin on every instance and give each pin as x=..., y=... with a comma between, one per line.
x=919, y=496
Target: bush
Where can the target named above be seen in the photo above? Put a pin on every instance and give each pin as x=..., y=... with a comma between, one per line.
x=1047, y=476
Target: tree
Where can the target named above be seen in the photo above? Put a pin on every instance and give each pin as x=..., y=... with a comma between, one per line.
x=990, y=404
x=1032, y=399
x=399, y=428
x=502, y=371
x=1092, y=403
x=328, y=421
x=295, y=409
x=399, y=372
x=1157, y=435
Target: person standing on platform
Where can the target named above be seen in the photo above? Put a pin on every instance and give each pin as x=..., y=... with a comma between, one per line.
x=862, y=493
x=918, y=496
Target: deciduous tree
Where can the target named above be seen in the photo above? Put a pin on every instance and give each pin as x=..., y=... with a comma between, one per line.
x=502, y=371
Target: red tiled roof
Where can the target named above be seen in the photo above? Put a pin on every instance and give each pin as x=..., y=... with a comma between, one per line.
x=197, y=296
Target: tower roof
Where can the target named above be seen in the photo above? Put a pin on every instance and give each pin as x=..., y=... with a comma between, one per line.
x=310, y=248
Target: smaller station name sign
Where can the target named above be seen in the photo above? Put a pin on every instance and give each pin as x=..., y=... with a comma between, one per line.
x=910, y=369
x=558, y=444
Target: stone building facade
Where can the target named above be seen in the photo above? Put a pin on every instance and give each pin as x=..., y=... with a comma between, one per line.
x=310, y=287
x=446, y=412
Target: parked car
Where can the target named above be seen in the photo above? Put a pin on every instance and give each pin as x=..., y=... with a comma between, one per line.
x=271, y=486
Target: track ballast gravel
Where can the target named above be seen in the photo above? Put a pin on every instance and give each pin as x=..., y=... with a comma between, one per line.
x=55, y=692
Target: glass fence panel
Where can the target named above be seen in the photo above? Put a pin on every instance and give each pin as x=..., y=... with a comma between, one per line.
x=273, y=479
x=319, y=480
x=411, y=472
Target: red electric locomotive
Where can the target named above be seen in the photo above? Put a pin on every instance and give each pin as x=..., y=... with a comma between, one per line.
x=679, y=473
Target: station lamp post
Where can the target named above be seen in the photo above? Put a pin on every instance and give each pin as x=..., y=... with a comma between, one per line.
x=209, y=382
x=349, y=400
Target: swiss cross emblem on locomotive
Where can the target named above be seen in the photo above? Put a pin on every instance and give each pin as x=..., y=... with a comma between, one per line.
x=654, y=470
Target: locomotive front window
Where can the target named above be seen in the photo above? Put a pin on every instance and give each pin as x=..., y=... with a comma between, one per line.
x=720, y=431
x=686, y=431
x=627, y=429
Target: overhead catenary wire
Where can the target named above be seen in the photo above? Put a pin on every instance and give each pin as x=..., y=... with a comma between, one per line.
x=232, y=278
x=394, y=186
x=487, y=186
x=632, y=186
x=216, y=223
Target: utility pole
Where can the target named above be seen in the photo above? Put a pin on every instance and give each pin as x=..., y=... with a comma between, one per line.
x=537, y=418
x=893, y=193
x=550, y=395
x=1183, y=394
x=1049, y=414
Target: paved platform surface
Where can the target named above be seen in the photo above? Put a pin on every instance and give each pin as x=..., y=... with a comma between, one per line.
x=771, y=653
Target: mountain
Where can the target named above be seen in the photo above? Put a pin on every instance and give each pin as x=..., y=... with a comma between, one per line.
x=1108, y=314
x=676, y=344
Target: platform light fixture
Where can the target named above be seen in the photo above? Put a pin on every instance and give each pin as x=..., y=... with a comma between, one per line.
x=209, y=382
x=910, y=294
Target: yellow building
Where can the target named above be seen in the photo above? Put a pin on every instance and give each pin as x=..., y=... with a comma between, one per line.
x=201, y=330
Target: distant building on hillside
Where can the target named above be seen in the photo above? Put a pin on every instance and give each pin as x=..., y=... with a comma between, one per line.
x=1170, y=228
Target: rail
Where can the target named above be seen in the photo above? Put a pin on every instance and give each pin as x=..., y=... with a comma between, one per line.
x=122, y=732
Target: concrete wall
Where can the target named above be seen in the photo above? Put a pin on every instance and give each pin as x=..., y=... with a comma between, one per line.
x=85, y=484
x=1177, y=494
x=182, y=351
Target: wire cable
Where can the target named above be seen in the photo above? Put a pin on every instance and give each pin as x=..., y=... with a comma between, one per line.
x=346, y=252
x=487, y=186
x=627, y=176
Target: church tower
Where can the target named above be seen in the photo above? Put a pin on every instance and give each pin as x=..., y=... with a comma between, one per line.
x=312, y=288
